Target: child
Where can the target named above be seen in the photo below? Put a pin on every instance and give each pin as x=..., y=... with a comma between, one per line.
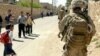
x=29, y=25
x=7, y=40
x=1, y=20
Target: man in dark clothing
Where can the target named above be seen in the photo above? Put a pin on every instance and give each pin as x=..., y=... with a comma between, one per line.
x=47, y=13
x=42, y=14
x=21, y=22
x=0, y=23
x=7, y=18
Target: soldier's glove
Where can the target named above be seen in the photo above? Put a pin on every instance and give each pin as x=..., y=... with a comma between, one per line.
x=90, y=29
x=59, y=35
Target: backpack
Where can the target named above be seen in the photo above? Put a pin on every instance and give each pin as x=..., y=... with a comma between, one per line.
x=73, y=25
x=4, y=37
x=77, y=32
x=80, y=27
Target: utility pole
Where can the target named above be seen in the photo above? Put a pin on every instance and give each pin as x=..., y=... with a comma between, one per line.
x=31, y=7
x=54, y=2
x=52, y=6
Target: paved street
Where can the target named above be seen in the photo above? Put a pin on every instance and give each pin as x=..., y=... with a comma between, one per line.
x=44, y=42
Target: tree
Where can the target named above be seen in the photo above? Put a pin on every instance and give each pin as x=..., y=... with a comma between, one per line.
x=5, y=1
x=68, y=3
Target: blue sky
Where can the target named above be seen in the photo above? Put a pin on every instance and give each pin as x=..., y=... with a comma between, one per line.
x=62, y=2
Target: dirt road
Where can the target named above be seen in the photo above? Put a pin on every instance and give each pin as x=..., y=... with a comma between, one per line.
x=45, y=41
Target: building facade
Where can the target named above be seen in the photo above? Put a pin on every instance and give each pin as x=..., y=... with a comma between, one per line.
x=1, y=1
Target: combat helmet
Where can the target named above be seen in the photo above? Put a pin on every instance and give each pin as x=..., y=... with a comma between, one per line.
x=78, y=3
x=62, y=8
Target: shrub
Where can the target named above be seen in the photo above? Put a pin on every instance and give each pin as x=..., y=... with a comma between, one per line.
x=28, y=4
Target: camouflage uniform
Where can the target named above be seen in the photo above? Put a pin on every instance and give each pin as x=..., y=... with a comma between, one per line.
x=61, y=13
x=76, y=45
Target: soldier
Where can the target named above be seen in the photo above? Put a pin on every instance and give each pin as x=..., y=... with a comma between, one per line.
x=78, y=30
x=61, y=13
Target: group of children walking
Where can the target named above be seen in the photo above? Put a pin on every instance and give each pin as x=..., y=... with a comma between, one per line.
x=24, y=25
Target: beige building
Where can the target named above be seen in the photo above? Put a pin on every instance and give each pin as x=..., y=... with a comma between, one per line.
x=1, y=1
x=49, y=7
x=46, y=6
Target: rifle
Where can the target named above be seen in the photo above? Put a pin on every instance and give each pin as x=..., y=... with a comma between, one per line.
x=64, y=32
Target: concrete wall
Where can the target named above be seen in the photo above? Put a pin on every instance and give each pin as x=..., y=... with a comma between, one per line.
x=1, y=1
x=16, y=10
x=94, y=12
x=94, y=9
x=46, y=6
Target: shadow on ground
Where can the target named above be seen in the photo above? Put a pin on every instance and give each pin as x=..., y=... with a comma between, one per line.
x=29, y=38
x=18, y=40
x=34, y=35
